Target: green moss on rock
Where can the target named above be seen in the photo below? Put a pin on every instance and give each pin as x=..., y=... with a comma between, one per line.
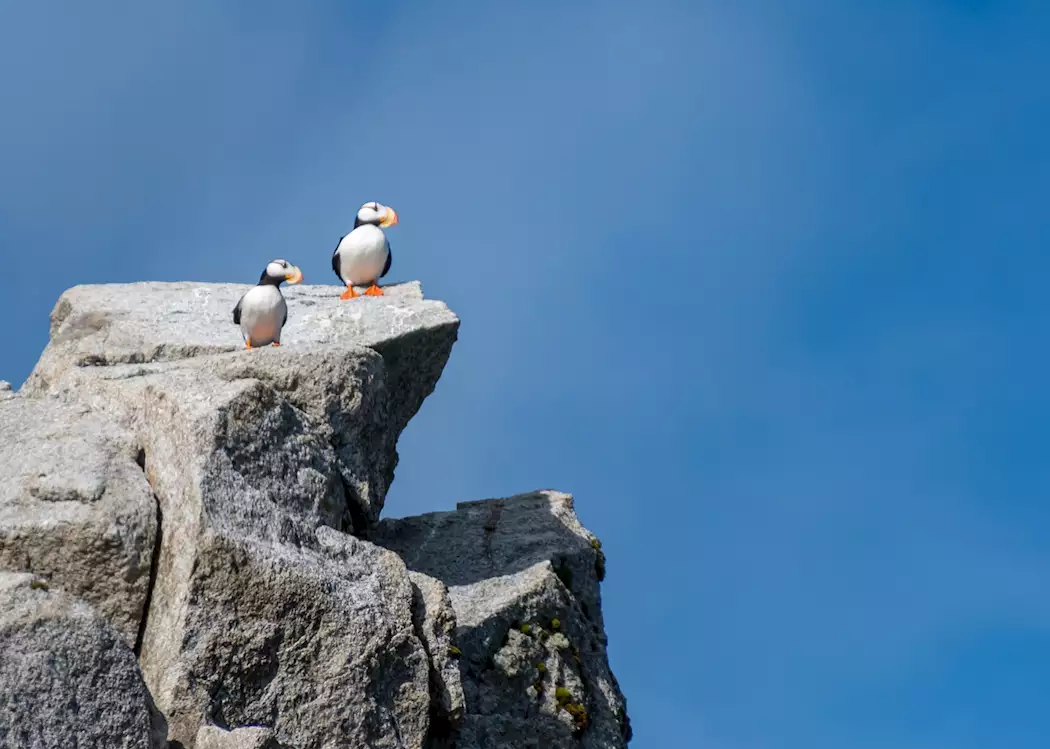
x=579, y=715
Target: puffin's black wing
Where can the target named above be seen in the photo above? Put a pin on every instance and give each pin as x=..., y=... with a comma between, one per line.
x=335, y=259
x=237, y=312
x=389, y=260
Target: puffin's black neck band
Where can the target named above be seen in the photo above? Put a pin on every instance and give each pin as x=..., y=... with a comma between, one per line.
x=266, y=280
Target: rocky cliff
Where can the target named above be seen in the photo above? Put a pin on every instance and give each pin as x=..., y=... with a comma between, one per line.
x=192, y=555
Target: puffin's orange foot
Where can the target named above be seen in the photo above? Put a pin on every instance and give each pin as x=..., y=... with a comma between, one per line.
x=374, y=290
x=247, y=344
x=349, y=293
x=276, y=343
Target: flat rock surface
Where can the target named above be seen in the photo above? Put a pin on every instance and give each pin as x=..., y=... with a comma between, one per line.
x=326, y=366
x=154, y=321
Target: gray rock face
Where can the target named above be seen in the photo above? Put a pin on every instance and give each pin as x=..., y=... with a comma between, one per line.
x=221, y=508
x=75, y=507
x=149, y=323
x=264, y=611
x=523, y=578
x=66, y=677
x=435, y=623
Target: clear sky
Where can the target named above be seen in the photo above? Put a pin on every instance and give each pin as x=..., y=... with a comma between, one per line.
x=761, y=283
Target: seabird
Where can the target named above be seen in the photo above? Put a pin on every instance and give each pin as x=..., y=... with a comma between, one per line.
x=262, y=311
x=363, y=256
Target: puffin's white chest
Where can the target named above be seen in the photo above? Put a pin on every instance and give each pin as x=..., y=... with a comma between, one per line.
x=263, y=311
x=362, y=255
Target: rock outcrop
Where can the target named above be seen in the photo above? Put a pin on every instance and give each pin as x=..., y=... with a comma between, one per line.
x=523, y=579
x=218, y=509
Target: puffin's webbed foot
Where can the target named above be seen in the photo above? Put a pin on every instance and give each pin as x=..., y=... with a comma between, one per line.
x=374, y=290
x=247, y=344
x=276, y=343
x=349, y=293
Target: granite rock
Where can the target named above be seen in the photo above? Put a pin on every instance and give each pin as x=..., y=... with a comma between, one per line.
x=435, y=623
x=67, y=679
x=272, y=607
x=213, y=737
x=523, y=578
x=185, y=325
x=263, y=611
x=75, y=507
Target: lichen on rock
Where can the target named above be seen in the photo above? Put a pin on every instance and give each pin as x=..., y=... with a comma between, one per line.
x=515, y=613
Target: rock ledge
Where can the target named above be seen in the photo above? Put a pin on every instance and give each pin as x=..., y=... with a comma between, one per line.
x=200, y=525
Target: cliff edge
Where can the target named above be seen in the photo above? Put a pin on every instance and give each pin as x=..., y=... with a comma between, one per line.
x=192, y=555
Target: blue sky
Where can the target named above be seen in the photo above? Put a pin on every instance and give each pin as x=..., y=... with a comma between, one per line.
x=760, y=283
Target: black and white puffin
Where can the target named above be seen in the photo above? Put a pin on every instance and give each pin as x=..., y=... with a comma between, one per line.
x=363, y=256
x=262, y=311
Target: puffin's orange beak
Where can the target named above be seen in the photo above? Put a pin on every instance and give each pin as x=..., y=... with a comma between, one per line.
x=390, y=219
x=294, y=275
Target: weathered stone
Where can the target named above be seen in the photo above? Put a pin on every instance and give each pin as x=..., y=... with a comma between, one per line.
x=213, y=737
x=435, y=623
x=75, y=507
x=489, y=538
x=268, y=624
x=523, y=579
x=317, y=643
x=66, y=677
x=357, y=400
x=263, y=611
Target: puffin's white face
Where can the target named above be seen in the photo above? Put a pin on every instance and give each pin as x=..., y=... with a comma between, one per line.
x=378, y=214
x=282, y=270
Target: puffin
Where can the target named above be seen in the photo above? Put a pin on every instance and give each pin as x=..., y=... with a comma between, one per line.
x=262, y=311
x=363, y=256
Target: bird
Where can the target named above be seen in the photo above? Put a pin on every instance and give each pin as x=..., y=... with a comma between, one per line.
x=363, y=256
x=262, y=311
